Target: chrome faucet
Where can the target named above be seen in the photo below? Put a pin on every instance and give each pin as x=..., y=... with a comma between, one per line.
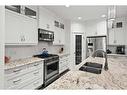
x=105, y=55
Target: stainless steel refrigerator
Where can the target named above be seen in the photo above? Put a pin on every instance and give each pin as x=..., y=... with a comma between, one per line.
x=94, y=43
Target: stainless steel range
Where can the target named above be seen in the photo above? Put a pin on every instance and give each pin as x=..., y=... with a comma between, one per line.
x=51, y=67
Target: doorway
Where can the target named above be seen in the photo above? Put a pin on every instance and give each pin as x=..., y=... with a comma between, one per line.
x=77, y=48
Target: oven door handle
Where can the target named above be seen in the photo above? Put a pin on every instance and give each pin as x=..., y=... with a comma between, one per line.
x=52, y=62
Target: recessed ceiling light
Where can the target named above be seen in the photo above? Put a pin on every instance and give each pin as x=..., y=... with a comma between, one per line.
x=79, y=18
x=103, y=16
x=67, y=6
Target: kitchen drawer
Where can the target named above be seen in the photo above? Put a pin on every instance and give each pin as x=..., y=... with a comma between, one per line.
x=64, y=58
x=17, y=81
x=33, y=85
x=35, y=66
x=18, y=71
x=62, y=63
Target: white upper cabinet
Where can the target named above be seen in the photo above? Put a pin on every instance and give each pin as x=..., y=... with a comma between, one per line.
x=20, y=29
x=102, y=28
x=59, y=33
x=117, y=35
x=13, y=27
x=59, y=37
x=96, y=27
x=111, y=38
x=46, y=19
x=30, y=30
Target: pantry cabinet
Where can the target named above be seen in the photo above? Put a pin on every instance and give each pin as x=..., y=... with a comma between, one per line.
x=20, y=29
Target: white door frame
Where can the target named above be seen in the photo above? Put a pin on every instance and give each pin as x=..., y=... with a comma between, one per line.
x=73, y=48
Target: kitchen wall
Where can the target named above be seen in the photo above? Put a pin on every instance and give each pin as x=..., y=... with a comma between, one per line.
x=23, y=51
x=17, y=52
x=2, y=47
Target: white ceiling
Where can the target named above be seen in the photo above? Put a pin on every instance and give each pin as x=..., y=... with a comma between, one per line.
x=86, y=12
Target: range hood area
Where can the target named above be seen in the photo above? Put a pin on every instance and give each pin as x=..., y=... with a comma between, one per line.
x=45, y=35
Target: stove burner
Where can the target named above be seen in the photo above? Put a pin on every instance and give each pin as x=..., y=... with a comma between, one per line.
x=45, y=55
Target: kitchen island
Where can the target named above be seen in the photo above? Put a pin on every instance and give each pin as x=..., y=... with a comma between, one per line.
x=115, y=78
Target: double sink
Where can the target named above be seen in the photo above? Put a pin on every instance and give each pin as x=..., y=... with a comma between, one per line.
x=91, y=67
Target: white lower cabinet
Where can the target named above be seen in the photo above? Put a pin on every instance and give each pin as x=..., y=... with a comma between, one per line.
x=25, y=77
x=63, y=63
x=32, y=84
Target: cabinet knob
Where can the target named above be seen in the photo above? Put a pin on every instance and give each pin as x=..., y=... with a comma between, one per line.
x=115, y=41
x=59, y=41
x=23, y=38
x=48, y=26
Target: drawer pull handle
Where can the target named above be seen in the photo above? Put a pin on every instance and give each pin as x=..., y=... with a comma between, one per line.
x=36, y=73
x=35, y=83
x=36, y=64
x=16, y=81
x=17, y=70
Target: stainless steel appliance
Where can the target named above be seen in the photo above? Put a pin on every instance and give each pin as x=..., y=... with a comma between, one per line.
x=45, y=35
x=51, y=67
x=96, y=47
x=120, y=49
x=96, y=43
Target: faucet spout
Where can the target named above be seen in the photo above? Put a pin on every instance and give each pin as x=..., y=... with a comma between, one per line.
x=105, y=55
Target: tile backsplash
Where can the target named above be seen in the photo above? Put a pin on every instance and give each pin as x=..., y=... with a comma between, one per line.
x=17, y=52
x=112, y=48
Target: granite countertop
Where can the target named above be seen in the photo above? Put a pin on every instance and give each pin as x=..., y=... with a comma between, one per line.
x=114, y=78
x=21, y=62
x=117, y=55
x=63, y=54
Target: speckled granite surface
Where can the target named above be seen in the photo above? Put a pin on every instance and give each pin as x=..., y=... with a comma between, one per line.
x=21, y=62
x=115, y=78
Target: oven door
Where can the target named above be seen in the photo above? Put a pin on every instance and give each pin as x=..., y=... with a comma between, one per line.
x=51, y=69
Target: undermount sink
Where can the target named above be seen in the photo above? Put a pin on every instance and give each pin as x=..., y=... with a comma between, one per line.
x=92, y=67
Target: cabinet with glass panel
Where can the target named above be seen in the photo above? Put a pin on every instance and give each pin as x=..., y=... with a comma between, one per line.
x=25, y=10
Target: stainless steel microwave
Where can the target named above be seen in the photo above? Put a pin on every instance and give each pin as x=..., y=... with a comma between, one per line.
x=45, y=35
